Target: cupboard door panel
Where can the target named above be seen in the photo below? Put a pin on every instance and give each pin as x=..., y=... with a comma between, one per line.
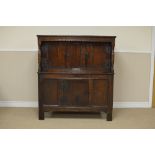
x=72, y=55
x=74, y=93
x=62, y=54
x=100, y=92
x=49, y=91
x=56, y=55
x=96, y=56
x=102, y=56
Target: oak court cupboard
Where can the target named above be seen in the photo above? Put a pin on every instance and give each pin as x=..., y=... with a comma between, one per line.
x=76, y=74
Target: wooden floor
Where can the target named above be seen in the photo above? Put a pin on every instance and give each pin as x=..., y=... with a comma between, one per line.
x=20, y=118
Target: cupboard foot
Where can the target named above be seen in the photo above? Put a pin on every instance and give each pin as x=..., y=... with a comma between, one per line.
x=109, y=116
x=41, y=115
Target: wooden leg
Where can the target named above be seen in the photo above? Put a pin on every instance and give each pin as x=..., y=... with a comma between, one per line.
x=41, y=115
x=109, y=116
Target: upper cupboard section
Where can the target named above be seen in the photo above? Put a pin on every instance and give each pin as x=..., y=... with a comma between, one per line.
x=76, y=53
x=69, y=55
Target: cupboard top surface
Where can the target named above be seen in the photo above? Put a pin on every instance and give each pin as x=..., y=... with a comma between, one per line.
x=77, y=36
x=91, y=38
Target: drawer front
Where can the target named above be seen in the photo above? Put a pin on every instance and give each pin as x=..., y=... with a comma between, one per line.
x=74, y=76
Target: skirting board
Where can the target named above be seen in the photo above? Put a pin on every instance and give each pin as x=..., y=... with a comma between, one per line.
x=35, y=104
x=131, y=105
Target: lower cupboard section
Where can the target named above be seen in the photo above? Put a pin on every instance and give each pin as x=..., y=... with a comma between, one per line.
x=75, y=95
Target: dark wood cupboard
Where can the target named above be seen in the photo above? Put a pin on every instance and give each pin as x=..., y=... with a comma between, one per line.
x=76, y=74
